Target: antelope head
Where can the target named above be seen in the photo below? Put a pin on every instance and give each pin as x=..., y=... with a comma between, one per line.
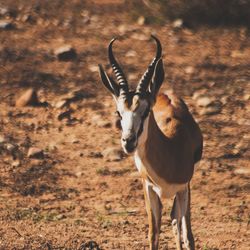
x=134, y=106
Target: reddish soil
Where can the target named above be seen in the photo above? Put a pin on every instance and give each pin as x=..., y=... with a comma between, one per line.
x=72, y=195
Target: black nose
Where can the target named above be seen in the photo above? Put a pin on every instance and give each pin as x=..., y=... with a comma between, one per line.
x=129, y=140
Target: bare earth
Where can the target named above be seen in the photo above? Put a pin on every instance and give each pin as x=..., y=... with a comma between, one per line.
x=76, y=192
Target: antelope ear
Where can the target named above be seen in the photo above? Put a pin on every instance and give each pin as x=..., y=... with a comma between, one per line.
x=157, y=79
x=108, y=82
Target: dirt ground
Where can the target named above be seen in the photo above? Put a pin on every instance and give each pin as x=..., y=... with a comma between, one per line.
x=74, y=194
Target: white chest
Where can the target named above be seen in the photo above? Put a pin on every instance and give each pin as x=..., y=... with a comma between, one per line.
x=160, y=186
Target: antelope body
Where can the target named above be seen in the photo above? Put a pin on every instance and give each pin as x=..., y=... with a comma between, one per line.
x=165, y=140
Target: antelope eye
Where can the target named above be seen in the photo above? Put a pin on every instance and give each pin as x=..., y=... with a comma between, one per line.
x=118, y=115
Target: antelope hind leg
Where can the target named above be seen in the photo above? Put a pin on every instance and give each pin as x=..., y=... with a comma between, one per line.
x=183, y=200
x=154, y=209
x=176, y=223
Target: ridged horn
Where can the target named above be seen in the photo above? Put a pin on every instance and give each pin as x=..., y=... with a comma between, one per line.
x=146, y=78
x=121, y=79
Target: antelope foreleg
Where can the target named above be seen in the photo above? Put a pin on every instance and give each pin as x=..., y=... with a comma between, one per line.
x=154, y=208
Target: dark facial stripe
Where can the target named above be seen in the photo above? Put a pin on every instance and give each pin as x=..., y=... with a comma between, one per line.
x=145, y=115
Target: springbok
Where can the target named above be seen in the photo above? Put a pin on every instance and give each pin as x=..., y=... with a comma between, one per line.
x=165, y=140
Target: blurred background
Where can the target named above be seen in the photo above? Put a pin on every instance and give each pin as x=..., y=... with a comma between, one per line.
x=64, y=181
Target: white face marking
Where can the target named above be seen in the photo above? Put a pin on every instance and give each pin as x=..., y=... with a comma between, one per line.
x=131, y=123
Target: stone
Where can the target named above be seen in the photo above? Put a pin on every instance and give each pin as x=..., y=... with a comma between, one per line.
x=3, y=11
x=28, y=98
x=178, y=23
x=34, y=152
x=6, y=25
x=10, y=147
x=141, y=20
x=66, y=53
x=242, y=171
x=131, y=53
x=199, y=93
x=2, y=139
x=93, y=68
x=132, y=77
x=113, y=154
x=210, y=110
x=189, y=70
x=60, y=104
x=204, y=101
x=16, y=163
x=140, y=37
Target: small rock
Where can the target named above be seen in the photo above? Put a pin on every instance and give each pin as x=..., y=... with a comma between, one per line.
x=132, y=77
x=131, y=53
x=52, y=147
x=140, y=37
x=2, y=139
x=60, y=104
x=79, y=174
x=204, y=101
x=93, y=68
x=113, y=154
x=237, y=54
x=210, y=110
x=3, y=11
x=242, y=171
x=6, y=25
x=199, y=93
x=122, y=28
x=141, y=20
x=28, y=98
x=178, y=23
x=16, y=163
x=34, y=152
x=246, y=97
x=189, y=70
x=10, y=147
x=65, y=53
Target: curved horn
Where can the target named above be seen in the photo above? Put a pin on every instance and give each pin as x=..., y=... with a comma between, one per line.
x=146, y=78
x=117, y=70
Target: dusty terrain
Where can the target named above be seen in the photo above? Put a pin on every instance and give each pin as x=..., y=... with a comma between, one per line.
x=79, y=190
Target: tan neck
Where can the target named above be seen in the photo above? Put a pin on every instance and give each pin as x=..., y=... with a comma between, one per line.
x=151, y=133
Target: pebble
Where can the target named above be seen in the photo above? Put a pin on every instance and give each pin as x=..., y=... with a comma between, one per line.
x=141, y=20
x=140, y=37
x=189, y=70
x=65, y=53
x=131, y=53
x=2, y=139
x=34, y=152
x=60, y=104
x=199, y=93
x=178, y=23
x=210, y=110
x=3, y=11
x=10, y=147
x=112, y=154
x=5, y=25
x=204, y=101
x=132, y=77
x=28, y=98
x=242, y=171
x=16, y=163
x=93, y=68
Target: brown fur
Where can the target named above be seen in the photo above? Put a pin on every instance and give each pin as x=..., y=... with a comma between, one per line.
x=174, y=134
